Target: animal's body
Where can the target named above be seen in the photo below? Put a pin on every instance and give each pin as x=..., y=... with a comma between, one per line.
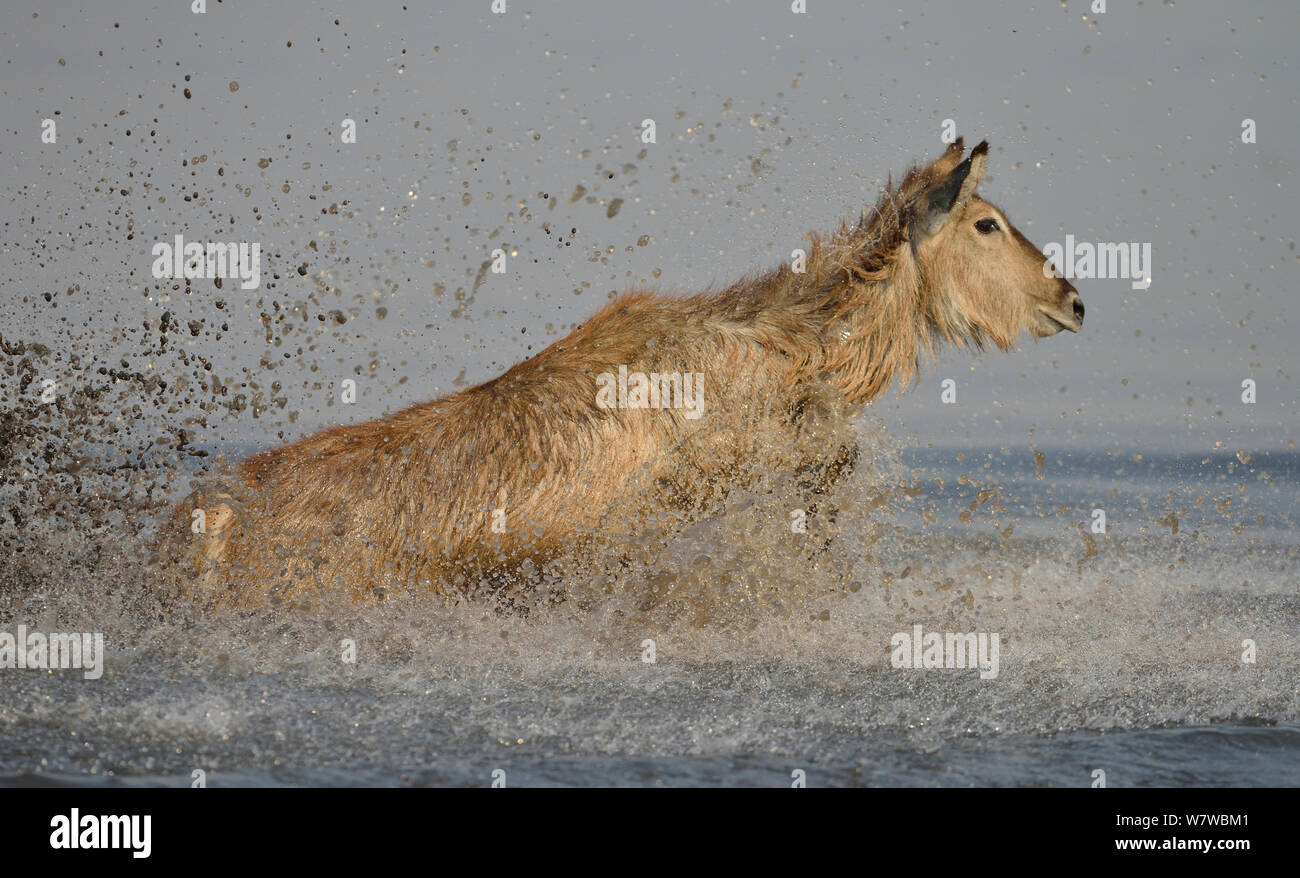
x=545, y=456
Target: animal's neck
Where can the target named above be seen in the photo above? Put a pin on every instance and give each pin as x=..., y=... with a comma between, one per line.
x=855, y=316
x=880, y=328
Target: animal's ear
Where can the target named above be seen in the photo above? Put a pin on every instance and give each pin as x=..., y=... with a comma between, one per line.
x=944, y=164
x=978, y=160
x=947, y=196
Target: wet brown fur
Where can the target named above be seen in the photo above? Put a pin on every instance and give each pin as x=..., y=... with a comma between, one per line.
x=787, y=359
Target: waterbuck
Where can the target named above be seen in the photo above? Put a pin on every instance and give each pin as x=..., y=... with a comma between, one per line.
x=652, y=409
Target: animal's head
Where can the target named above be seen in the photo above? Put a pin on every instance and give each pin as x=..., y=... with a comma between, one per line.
x=982, y=278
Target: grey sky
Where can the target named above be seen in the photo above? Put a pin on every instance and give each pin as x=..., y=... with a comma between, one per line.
x=1116, y=127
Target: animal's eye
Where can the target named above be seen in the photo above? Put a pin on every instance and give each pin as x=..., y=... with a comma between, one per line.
x=987, y=226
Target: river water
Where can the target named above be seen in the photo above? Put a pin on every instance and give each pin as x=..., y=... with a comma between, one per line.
x=1120, y=652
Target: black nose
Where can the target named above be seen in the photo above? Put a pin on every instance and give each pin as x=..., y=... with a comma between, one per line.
x=1078, y=308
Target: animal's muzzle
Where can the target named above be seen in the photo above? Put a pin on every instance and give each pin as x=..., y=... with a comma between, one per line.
x=1070, y=297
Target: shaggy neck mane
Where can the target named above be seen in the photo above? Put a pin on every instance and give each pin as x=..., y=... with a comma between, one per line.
x=861, y=314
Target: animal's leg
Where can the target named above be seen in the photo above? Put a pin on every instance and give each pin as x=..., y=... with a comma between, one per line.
x=815, y=481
